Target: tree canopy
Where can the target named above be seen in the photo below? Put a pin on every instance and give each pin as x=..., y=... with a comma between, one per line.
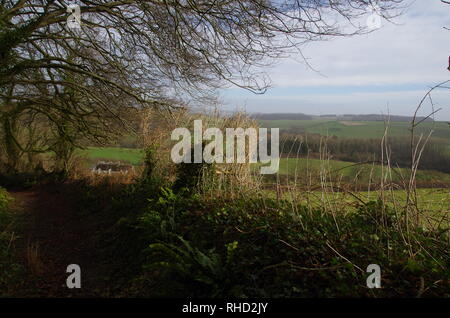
x=132, y=54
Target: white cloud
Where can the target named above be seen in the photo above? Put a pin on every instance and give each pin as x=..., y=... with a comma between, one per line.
x=413, y=52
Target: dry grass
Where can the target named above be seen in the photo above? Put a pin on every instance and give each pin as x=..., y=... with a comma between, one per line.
x=324, y=192
x=230, y=180
x=227, y=180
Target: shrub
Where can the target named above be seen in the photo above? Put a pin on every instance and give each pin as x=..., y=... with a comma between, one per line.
x=9, y=269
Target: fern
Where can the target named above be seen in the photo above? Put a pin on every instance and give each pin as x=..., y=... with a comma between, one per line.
x=191, y=263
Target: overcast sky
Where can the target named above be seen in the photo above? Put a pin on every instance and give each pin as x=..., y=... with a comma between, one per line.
x=388, y=70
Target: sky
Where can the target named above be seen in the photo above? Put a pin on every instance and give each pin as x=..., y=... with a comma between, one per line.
x=386, y=71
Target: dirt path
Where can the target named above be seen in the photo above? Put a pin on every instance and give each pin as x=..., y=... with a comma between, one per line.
x=54, y=236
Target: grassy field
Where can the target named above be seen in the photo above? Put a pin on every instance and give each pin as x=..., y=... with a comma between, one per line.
x=299, y=168
x=353, y=129
x=349, y=170
x=433, y=203
x=345, y=129
x=130, y=155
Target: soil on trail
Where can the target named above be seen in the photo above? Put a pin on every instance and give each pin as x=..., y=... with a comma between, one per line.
x=53, y=237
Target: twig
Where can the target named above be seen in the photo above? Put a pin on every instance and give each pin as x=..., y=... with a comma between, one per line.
x=343, y=257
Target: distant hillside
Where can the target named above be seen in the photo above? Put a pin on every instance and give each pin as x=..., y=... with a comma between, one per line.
x=376, y=117
x=346, y=117
x=282, y=116
x=346, y=128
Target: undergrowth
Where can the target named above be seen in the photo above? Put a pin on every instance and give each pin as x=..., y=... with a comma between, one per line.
x=178, y=244
x=10, y=269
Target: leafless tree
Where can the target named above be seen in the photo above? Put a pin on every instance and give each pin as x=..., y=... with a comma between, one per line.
x=446, y=2
x=152, y=52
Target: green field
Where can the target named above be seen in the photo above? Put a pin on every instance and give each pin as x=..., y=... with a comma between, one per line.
x=349, y=170
x=288, y=166
x=130, y=155
x=436, y=202
x=361, y=130
x=354, y=129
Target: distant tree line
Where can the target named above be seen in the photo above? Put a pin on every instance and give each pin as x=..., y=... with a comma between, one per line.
x=282, y=116
x=348, y=117
x=434, y=156
x=377, y=117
